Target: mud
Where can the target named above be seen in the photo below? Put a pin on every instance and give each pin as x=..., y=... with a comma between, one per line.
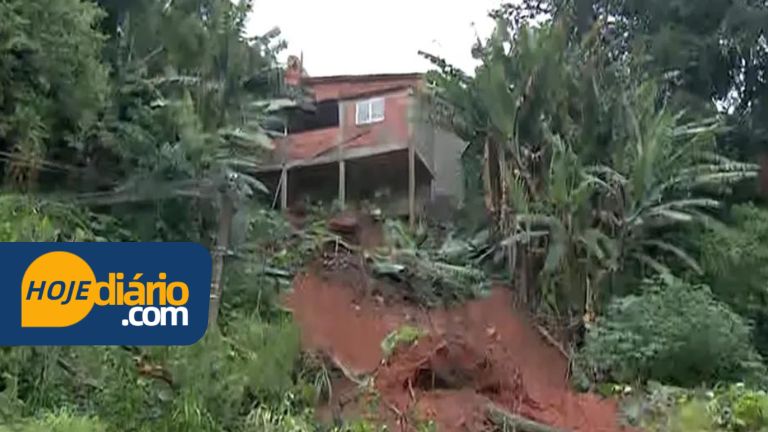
x=479, y=352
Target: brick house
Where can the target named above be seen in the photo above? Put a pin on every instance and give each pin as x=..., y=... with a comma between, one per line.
x=366, y=139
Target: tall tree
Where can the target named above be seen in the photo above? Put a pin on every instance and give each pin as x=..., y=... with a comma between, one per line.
x=166, y=141
x=52, y=84
x=713, y=54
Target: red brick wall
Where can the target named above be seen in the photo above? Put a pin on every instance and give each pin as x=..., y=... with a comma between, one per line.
x=392, y=130
x=394, y=127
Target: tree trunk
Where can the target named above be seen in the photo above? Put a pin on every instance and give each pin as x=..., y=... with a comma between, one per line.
x=226, y=214
x=505, y=420
x=585, y=16
x=493, y=182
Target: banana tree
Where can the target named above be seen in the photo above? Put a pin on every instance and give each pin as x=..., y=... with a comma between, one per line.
x=601, y=219
x=666, y=174
x=586, y=172
x=559, y=227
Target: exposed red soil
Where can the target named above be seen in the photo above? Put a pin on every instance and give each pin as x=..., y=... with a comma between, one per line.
x=479, y=352
x=454, y=410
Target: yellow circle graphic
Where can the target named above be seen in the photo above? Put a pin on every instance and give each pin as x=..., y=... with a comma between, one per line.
x=57, y=290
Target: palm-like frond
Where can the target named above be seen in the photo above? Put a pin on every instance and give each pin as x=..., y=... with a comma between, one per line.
x=653, y=264
x=601, y=246
x=682, y=255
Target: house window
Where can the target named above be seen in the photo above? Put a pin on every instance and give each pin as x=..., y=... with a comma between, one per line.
x=370, y=111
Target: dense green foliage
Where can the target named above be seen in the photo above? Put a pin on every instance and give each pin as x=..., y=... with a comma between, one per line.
x=733, y=257
x=137, y=120
x=206, y=387
x=229, y=381
x=586, y=165
x=732, y=408
x=671, y=332
x=50, y=97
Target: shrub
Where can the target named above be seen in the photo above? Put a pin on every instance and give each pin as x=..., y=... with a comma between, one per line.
x=672, y=332
x=730, y=408
x=738, y=408
x=734, y=259
x=60, y=421
x=267, y=254
x=208, y=386
x=24, y=218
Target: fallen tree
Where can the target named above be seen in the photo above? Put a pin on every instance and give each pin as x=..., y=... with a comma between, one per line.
x=506, y=421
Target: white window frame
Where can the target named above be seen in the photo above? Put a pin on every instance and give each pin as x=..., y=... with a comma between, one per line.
x=369, y=102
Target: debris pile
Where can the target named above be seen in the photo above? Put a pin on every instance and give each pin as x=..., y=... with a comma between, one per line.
x=477, y=362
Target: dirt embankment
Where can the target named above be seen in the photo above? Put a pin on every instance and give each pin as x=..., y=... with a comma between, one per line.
x=479, y=352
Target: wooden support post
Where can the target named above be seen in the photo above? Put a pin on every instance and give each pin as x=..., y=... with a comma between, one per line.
x=342, y=180
x=284, y=189
x=340, y=158
x=226, y=214
x=411, y=185
x=411, y=163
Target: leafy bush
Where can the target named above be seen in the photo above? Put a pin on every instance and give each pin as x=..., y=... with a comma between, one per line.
x=60, y=421
x=692, y=415
x=731, y=408
x=267, y=254
x=740, y=409
x=734, y=259
x=209, y=386
x=278, y=419
x=672, y=332
x=24, y=218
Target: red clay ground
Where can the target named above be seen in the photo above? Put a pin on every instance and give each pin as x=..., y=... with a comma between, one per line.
x=479, y=352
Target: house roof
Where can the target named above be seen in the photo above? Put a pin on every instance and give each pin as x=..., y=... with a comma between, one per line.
x=353, y=86
x=365, y=93
x=364, y=77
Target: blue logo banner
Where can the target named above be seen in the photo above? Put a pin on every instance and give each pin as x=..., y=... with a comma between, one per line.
x=103, y=293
